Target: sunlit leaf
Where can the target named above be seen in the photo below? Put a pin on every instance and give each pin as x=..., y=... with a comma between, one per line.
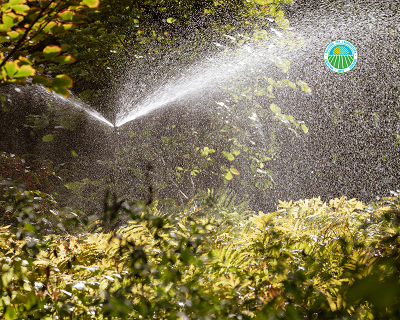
x=51, y=51
x=74, y=185
x=235, y=151
x=228, y=176
x=228, y=155
x=11, y=68
x=9, y=19
x=10, y=313
x=263, y=2
x=21, y=9
x=13, y=34
x=304, y=86
x=68, y=26
x=170, y=20
x=25, y=71
x=62, y=80
x=66, y=14
x=64, y=59
x=92, y=3
x=234, y=171
x=304, y=127
x=274, y=108
x=48, y=138
x=282, y=22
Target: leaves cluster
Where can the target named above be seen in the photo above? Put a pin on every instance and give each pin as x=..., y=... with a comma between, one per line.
x=307, y=260
x=27, y=30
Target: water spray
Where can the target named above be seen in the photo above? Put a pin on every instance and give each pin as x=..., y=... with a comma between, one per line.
x=115, y=171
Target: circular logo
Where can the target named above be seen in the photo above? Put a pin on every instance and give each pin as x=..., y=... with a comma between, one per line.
x=340, y=56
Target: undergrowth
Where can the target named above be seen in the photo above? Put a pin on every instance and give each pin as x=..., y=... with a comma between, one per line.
x=210, y=259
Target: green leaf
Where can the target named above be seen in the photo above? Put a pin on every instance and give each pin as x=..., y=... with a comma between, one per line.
x=14, y=2
x=74, y=185
x=304, y=127
x=275, y=109
x=206, y=151
x=41, y=80
x=29, y=227
x=234, y=171
x=304, y=86
x=62, y=80
x=51, y=51
x=66, y=14
x=48, y=138
x=64, y=59
x=4, y=38
x=228, y=176
x=25, y=71
x=11, y=68
x=21, y=9
x=171, y=20
x=61, y=90
x=263, y=2
x=228, y=155
x=282, y=22
x=73, y=153
x=13, y=34
x=9, y=19
x=10, y=313
x=92, y=3
x=235, y=151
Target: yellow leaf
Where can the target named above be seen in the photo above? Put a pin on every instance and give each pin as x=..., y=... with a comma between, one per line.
x=304, y=127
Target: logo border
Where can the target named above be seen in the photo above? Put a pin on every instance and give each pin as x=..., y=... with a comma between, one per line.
x=353, y=49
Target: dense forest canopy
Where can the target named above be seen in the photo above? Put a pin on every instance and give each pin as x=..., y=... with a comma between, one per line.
x=143, y=143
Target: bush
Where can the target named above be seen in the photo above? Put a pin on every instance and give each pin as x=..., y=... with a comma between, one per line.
x=336, y=260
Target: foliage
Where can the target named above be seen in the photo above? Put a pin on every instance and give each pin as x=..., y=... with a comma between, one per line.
x=308, y=260
x=27, y=194
x=26, y=34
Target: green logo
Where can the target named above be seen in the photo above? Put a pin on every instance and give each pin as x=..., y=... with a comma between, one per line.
x=340, y=56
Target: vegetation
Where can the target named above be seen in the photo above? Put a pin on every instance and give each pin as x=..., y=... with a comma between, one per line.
x=201, y=254
x=308, y=260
